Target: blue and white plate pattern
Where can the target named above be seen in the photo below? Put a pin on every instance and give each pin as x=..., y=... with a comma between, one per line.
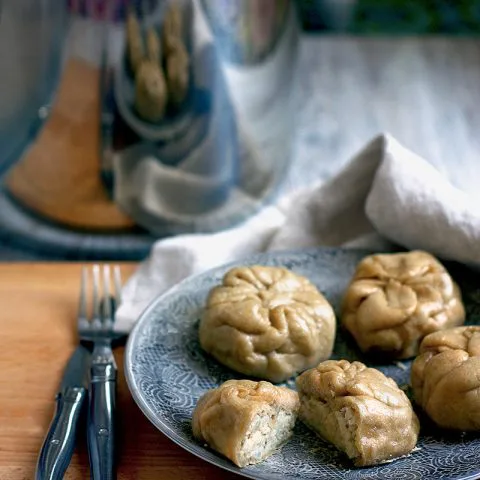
x=167, y=372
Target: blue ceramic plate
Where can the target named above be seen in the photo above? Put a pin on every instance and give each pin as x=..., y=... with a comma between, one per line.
x=167, y=372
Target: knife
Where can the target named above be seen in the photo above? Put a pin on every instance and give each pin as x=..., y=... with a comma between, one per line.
x=57, y=448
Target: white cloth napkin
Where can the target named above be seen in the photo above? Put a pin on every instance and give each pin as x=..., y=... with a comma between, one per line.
x=385, y=194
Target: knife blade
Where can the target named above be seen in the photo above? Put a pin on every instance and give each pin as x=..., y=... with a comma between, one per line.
x=57, y=448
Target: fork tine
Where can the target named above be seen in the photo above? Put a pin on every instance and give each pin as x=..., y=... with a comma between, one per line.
x=96, y=301
x=117, y=278
x=107, y=304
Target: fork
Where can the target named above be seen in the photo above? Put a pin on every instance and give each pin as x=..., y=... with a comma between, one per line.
x=103, y=372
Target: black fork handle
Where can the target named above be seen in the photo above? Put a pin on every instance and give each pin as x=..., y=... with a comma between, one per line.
x=101, y=421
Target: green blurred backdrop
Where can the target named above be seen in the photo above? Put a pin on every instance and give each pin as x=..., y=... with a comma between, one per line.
x=455, y=17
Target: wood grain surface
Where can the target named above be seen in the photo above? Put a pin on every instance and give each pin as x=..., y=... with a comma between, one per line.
x=59, y=176
x=37, y=323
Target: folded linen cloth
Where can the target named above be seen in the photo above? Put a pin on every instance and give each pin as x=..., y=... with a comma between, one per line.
x=386, y=194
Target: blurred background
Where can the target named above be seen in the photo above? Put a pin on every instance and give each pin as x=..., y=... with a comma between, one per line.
x=461, y=17
x=363, y=16
x=230, y=106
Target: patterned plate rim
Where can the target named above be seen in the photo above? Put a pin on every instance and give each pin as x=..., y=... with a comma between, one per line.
x=130, y=378
x=190, y=447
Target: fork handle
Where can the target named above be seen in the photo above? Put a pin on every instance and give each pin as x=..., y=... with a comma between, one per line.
x=59, y=442
x=101, y=421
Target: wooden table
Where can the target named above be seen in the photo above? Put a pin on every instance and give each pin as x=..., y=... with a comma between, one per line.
x=37, y=334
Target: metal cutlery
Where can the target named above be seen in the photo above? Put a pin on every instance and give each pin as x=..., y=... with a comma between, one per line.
x=57, y=448
x=103, y=372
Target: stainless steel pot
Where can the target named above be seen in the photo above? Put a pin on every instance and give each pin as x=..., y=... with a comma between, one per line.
x=229, y=151
x=32, y=39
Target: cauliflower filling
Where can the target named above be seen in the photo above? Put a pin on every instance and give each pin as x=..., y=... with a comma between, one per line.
x=269, y=430
x=338, y=427
x=348, y=431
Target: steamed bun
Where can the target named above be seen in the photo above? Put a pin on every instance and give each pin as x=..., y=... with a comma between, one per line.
x=394, y=300
x=246, y=421
x=358, y=409
x=267, y=322
x=445, y=378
